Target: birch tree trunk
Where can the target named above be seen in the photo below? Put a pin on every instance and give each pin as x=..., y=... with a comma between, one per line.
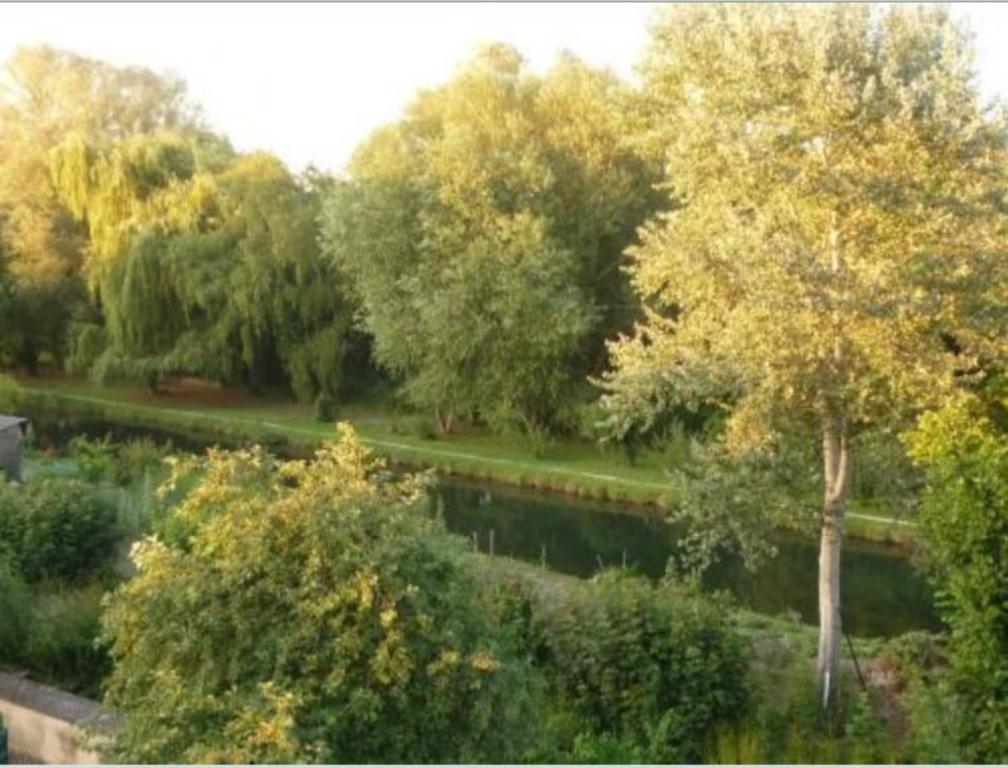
x=837, y=475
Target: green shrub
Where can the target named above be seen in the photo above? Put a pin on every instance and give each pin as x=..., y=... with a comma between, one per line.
x=913, y=655
x=934, y=723
x=56, y=527
x=103, y=459
x=964, y=530
x=653, y=665
x=137, y=457
x=302, y=612
x=62, y=648
x=95, y=458
x=51, y=632
x=16, y=610
x=866, y=732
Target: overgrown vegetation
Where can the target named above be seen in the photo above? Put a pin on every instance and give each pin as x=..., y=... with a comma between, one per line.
x=55, y=528
x=964, y=522
x=61, y=535
x=634, y=672
x=768, y=262
x=329, y=620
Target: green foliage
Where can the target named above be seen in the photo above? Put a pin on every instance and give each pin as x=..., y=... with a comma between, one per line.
x=867, y=732
x=964, y=527
x=484, y=234
x=62, y=647
x=119, y=462
x=40, y=105
x=95, y=458
x=56, y=528
x=205, y=263
x=650, y=666
x=51, y=631
x=324, y=617
x=15, y=607
x=8, y=386
x=795, y=275
x=326, y=408
x=735, y=500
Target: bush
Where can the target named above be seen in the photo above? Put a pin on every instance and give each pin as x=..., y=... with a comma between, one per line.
x=103, y=459
x=56, y=528
x=136, y=457
x=62, y=648
x=964, y=528
x=15, y=608
x=95, y=458
x=649, y=671
x=303, y=612
x=51, y=635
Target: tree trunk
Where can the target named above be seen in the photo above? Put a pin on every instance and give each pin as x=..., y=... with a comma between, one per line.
x=837, y=474
x=445, y=421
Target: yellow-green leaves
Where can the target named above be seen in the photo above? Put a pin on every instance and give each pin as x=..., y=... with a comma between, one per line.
x=304, y=611
x=202, y=262
x=839, y=244
x=484, y=233
x=48, y=97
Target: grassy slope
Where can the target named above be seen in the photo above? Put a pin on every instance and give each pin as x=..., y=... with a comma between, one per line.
x=574, y=467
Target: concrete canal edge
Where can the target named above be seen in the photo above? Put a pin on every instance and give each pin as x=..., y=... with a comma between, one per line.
x=47, y=725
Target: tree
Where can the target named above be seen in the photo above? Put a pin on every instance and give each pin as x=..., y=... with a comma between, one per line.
x=964, y=530
x=500, y=200
x=306, y=612
x=203, y=262
x=835, y=256
x=41, y=102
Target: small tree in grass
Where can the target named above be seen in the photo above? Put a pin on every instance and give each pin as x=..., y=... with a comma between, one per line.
x=836, y=253
x=304, y=612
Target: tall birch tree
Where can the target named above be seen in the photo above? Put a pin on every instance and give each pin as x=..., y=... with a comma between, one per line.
x=835, y=253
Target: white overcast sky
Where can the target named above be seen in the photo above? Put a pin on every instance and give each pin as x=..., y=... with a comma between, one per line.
x=310, y=81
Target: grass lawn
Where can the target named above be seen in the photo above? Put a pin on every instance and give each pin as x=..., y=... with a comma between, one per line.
x=574, y=467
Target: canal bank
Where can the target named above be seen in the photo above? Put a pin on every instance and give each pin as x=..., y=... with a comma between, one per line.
x=288, y=429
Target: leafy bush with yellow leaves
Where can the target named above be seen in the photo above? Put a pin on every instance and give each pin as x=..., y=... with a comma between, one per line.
x=297, y=611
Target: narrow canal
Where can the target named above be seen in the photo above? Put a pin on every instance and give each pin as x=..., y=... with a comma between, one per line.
x=883, y=595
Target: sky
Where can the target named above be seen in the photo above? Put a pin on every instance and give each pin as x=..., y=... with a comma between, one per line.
x=310, y=81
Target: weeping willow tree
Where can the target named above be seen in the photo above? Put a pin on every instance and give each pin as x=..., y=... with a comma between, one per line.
x=202, y=262
x=45, y=95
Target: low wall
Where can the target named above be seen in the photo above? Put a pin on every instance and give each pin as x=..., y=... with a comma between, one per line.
x=48, y=725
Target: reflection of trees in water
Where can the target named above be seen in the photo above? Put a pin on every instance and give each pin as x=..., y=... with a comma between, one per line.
x=577, y=537
x=882, y=596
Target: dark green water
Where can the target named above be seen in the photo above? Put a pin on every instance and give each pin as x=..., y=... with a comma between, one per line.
x=882, y=593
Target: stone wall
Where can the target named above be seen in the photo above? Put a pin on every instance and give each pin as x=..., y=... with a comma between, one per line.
x=48, y=725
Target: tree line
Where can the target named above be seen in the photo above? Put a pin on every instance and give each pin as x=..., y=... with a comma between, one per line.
x=797, y=218
x=473, y=253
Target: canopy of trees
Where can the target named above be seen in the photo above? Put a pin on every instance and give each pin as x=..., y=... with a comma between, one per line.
x=484, y=234
x=45, y=95
x=797, y=221
x=836, y=255
x=204, y=262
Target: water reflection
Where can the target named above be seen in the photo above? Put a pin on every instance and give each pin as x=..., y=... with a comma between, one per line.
x=882, y=593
